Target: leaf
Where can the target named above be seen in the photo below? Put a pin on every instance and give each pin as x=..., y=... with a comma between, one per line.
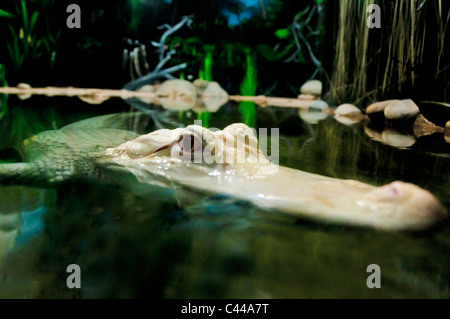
x=24, y=16
x=438, y=103
x=266, y=51
x=35, y=52
x=46, y=44
x=4, y=14
x=282, y=33
x=33, y=20
x=10, y=50
x=13, y=32
x=301, y=57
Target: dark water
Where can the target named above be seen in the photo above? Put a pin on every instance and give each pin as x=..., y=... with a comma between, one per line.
x=133, y=240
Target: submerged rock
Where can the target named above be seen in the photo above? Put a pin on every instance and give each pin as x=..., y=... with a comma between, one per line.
x=447, y=132
x=422, y=127
x=348, y=114
x=313, y=87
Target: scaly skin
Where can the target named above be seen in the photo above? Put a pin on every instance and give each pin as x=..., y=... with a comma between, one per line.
x=165, y=157
x=396, y=206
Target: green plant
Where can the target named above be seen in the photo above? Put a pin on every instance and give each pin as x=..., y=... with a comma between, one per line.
x=205, y=72
x=26, y=44
x=248, y=88
x=204, y=117
x=3, y=97
x=24, y=40
x=369, y=64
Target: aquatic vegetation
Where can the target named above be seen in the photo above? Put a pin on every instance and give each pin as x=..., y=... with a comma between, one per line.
x=27, y=45
x=134, y=10
x=404, y=54
x=3, y=97
x=177, y=239
x=204, y=117
x=248, y=88
x=205, y=72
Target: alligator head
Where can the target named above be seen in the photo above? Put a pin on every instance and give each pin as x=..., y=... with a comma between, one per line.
x=234, y=150
x=230, y=162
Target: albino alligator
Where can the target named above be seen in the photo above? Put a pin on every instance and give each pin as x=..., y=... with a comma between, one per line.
x=88, y=149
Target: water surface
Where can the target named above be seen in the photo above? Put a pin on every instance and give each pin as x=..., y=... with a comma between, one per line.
x=132, y=240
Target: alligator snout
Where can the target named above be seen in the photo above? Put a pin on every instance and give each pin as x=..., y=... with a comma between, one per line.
x=406, y=204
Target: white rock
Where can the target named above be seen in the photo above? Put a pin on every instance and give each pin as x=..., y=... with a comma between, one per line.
x=313, y=87
x=24, y=86
x=213, y=96
x=347, y=110
x=177, y=95
x=378, y=106
x=401, y=110
x=348, y=114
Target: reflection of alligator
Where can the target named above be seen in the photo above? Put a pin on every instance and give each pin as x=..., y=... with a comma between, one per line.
x=89, y=149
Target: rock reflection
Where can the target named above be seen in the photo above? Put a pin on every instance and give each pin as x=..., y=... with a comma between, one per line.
x=391, y=137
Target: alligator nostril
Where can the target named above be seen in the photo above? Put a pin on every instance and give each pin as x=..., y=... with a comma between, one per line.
x=393, y=190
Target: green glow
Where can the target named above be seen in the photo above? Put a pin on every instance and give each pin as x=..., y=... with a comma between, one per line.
x=248, y=88
x=204, y=117
x=134, y=8
x=282, y=33
x=248, y=113
x=208, y=66
x=4, y=14
x=3, y=97
x=205, y=72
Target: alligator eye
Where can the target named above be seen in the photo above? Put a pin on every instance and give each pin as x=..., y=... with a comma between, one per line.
x=189, y=143
x=186, y=147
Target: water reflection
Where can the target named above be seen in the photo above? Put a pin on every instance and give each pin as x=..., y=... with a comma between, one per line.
x=133, y=241
x=391, y=137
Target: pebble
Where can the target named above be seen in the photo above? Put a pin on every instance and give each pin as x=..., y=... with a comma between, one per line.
x=313, y=87
x=401, y=110
x=348, y=114
x=378, y=106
